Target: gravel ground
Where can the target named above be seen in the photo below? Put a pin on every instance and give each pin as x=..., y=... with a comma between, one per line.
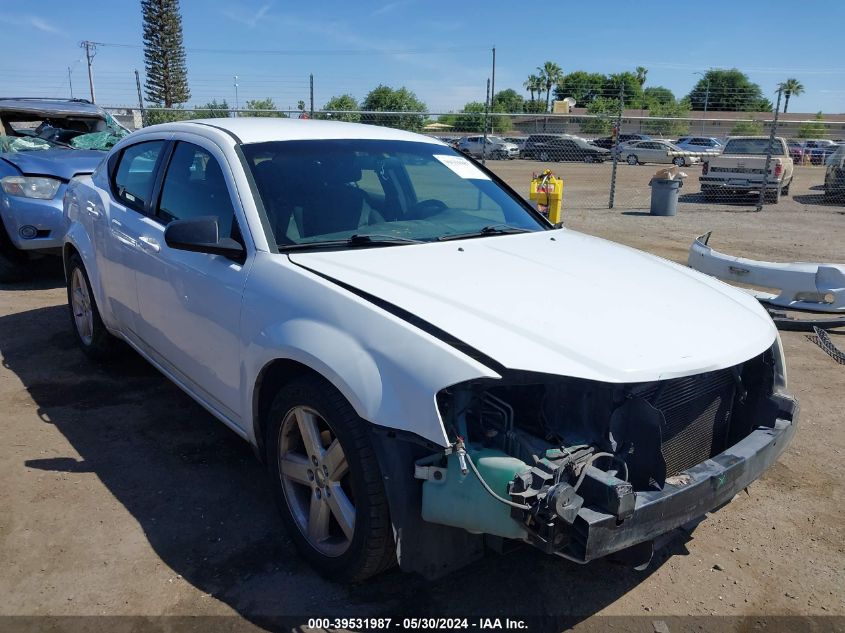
x=121, y=496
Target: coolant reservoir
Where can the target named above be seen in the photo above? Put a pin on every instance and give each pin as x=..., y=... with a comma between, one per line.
x=461, y=501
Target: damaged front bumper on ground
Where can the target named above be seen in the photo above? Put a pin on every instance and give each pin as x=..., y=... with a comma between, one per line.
x=801, y=285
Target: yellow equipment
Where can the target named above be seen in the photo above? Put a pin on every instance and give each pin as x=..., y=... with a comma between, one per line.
x=547, y=190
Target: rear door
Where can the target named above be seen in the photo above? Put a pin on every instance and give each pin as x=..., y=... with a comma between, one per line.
x=190, y=303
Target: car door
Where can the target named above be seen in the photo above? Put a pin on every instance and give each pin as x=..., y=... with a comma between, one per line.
x=190, y=303
x=116, y=236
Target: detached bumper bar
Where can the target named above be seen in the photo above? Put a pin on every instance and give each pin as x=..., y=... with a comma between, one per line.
x=711, y=484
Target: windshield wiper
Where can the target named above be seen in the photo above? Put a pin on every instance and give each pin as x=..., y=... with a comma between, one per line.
x=493, y=229
x=354, y=240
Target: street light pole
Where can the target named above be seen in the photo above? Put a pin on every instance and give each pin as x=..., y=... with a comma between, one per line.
x=237, y=107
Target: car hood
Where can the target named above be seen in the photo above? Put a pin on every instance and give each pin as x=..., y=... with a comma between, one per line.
x=561, y=302
x=62, y=163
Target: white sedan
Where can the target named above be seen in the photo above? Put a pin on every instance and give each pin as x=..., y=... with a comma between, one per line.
x=418, y=357
x=639, y=152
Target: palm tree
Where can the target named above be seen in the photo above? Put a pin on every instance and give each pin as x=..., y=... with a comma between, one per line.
x=533, y=84
x=550, y=74
x=642, y=71
x=790, y=87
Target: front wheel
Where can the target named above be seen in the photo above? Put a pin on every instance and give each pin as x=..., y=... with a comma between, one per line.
x=589, y=158
x=327, y=482
x=632, y=159
x=679, y=161
x=544, y=157
x=91, y=335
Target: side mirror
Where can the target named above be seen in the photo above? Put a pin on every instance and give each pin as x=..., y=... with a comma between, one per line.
x=200, y=235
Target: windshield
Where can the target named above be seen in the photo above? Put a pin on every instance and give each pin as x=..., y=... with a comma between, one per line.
x=753, y=146
x=328, y=190
x=26, y=132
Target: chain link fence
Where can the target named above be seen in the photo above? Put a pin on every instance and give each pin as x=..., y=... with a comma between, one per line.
x=607, y=160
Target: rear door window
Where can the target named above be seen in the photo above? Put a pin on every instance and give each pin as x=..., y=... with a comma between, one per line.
x=133, y=179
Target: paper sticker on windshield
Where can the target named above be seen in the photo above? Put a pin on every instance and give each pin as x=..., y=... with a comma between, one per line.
x=462, y=167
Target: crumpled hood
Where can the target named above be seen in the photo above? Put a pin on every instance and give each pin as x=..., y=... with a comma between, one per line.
x=562, y=302
x=62, y=163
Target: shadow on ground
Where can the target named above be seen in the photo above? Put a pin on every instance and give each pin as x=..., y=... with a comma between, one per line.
x=44, y=274
x=205, y=507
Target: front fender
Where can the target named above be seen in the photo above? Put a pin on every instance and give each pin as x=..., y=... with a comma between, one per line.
x=388, y=369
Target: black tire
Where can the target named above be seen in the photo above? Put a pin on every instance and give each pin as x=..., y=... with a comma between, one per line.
x=771, y=197
x=679, y=161
x=14, y=264
x=99, y=345
x=371, y=549
x=589, y=158
x=785, y=190
x=632, y=159
x=544, y=156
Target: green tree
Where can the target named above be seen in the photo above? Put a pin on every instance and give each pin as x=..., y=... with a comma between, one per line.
x=633, y=91
x=166, y=82
x=813, y=129
x=471, y=119
x=582, y=86
x=550, y=74
x=534, y=85
x=790, y=87
x=728, y=91
x=605, y=111
x=212, y=110
x=263, y=108
x=667, y=119
x=657, y=95
x=387, y=99
x=641, y=71
x=747, y=128
x=342, y=103
x=508, y=101
x=156, y=115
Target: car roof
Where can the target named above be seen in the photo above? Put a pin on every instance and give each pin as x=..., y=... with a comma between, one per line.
x=263, y=129
x=37, y=105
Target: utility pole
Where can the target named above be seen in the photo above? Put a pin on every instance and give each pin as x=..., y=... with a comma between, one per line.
x=311, y=89
x=70, y=82
x=772, y=135
x=140, y=99
x=237, y=107
x=493, y=84
x=706, y=98
x=90, y=51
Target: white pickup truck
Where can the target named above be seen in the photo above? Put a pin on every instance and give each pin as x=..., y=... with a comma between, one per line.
x=740, y=169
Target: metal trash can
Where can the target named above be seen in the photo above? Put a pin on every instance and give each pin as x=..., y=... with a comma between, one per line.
x=664, y=195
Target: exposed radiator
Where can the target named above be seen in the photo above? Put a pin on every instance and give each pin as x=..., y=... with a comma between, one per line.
x=697, y=411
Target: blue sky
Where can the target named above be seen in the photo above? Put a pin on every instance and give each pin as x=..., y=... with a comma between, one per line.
x=440, y=50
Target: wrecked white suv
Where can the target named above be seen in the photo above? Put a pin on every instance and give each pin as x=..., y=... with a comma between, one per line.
x=425, y=365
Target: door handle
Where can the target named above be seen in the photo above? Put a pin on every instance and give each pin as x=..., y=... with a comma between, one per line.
x=91, y=208
x=149, y=244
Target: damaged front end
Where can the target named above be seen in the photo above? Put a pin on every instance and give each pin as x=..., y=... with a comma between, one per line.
x=583, y=469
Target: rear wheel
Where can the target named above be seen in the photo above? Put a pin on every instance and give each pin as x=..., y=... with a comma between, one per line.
x=544, y=156
x=632, y=159
x=92, y=336
x=771, y=197
x=327, y=482
x=679, y=161
x=589, y=158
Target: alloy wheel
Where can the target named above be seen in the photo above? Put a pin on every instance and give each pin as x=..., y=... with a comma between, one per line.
x=83, y=314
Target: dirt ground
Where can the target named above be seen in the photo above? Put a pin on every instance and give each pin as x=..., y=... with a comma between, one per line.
x=121, y=496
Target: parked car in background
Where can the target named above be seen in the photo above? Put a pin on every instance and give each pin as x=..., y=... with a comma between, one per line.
x=607, y=141
x=361, y=305
x=535, y=143
x=41, y=143
x=741, y=169
x=497, y=148
x=663, y=152
x=705, y=144
x=571, y=149
x=834, y=176
x=796, y=149
x=817, y=150
x=519, y=141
